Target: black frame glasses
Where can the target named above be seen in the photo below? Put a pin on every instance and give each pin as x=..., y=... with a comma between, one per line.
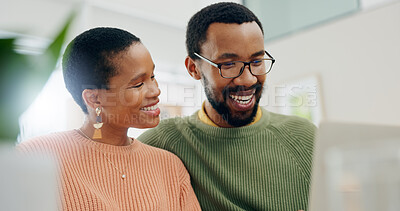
x=219, y=65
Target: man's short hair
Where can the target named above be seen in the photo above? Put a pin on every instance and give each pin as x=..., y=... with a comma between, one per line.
x=89, y=60
x=224, y=12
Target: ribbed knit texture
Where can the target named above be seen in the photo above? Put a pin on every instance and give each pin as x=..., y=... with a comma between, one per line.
x=264, y=166
x=155, y=179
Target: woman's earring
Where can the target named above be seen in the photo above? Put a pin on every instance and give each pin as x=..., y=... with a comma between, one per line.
x=98, y=125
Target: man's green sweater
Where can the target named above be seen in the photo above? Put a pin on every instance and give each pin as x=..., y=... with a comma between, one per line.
x=263, y=166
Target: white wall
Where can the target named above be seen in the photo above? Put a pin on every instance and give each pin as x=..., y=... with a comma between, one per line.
x=160, y=24
x=357, y=59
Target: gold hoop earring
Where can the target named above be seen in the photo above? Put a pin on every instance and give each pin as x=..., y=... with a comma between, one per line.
x=98, y=125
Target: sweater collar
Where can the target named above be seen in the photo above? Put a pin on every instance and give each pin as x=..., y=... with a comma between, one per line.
x=235, y=132
x=106, y=148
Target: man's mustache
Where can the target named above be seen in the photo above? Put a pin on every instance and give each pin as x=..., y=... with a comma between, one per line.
x=257, y=87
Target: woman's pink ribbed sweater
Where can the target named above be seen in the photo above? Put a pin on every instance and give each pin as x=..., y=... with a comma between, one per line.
x=155, y=179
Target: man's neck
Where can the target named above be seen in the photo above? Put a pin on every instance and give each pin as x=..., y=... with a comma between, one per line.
x=205, y=117
x=215, y=116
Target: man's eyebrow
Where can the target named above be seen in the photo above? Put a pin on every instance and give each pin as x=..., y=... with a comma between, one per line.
x=259, y=53
x=233, y=55
x=228, y=56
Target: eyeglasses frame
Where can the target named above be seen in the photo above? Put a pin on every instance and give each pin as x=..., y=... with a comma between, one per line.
x=219, y=65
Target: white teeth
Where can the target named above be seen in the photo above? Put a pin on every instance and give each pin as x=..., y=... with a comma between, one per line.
x=150, y=108
x=236, y=97
x=242, y=99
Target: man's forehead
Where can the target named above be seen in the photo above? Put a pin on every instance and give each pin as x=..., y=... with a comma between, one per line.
x=216, y=29
x=222, y=38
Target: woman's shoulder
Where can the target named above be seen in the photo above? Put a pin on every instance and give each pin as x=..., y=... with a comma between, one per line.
x=47, y=142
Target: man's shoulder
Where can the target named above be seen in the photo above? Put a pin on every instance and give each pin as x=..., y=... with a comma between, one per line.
x=289, y=121
x=160, y=153
x=167, y=131
x=172, y=124
x=294, y=127
x=297, y=134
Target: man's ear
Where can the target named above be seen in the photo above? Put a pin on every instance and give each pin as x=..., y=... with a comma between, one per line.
x=91, y=98
x=192, y=68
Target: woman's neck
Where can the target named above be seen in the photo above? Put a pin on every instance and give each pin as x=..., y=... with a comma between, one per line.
x=110, y=135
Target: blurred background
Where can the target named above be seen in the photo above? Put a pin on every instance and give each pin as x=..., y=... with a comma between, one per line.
x=337, y=60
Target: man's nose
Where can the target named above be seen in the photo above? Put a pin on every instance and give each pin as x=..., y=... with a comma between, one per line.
x=246, y=78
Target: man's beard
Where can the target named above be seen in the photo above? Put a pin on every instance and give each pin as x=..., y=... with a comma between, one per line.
x=222, y=107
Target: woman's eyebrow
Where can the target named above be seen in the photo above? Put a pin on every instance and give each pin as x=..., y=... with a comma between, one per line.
x=137, y=77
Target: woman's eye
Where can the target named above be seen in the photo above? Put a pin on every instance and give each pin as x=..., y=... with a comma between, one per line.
x=137, y=85
x=153, y=77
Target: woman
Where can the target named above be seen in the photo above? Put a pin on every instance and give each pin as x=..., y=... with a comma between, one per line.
x=110, y=74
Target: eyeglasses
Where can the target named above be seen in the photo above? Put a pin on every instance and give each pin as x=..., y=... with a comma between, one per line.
x=234, y=69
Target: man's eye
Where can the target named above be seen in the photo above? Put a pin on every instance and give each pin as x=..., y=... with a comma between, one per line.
x=229, y=65
x=257, y=62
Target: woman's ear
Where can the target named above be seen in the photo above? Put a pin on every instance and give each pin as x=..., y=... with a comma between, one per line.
x=91, y=98
x=192, y=68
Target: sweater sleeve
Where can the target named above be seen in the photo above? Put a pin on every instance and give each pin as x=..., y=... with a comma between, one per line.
x=152, y=137
x=34, y=146
x=188, y=200
x=301, y=143
x=304, y=131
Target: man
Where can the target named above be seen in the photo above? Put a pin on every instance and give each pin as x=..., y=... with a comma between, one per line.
x=239, y=156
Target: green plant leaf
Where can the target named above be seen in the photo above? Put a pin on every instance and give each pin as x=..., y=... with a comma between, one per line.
x=12, y=68
x=22, y=77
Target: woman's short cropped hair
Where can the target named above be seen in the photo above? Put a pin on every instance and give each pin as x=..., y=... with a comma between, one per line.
x=90, y=59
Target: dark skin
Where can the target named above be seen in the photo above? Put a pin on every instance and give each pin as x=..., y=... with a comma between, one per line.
x=229, y=42
x=130, y=101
